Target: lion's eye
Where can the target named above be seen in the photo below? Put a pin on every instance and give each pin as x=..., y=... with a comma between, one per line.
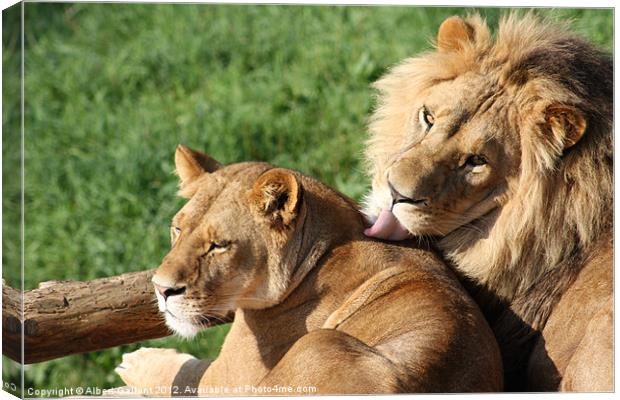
x=218, y=247
x=475, y=160
x=174, y=233
x=426, y=118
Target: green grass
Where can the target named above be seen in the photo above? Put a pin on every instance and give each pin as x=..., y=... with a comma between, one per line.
x=112, y=88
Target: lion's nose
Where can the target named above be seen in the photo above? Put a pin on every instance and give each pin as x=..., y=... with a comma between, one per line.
x=169, y=291
x=397, y=197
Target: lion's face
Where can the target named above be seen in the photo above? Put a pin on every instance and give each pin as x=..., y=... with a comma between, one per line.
x=453, y=130
x=456, y=153
x=227, y=241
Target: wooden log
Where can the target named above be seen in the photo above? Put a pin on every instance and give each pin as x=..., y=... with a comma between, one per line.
x=61, y=318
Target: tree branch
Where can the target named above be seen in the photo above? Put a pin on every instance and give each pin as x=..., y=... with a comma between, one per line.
x=69, y=317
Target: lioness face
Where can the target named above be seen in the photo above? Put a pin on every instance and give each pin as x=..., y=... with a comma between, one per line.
x=453, y=162
x=227, y=241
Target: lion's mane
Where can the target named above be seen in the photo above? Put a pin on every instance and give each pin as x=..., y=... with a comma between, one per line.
x=561, y=205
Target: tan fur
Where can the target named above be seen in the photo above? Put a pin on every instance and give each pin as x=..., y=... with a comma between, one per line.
x=316, y=303
x=537, y=103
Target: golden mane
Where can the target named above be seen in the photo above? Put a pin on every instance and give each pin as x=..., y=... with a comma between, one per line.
x=562, y=202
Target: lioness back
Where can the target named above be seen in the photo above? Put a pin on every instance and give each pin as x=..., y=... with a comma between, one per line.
x=415, y=313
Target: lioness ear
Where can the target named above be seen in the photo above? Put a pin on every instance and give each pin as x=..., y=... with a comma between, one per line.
x=453, y=33
x=277, y=195
x=190, y=164
x=566, y=123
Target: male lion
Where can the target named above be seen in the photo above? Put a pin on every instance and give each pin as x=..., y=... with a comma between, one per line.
x=317, y=303
x=502, y=151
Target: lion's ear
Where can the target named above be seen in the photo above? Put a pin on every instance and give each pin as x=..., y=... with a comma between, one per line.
x=190, y=164
x=566, y=123
x=453, y=33
x=277, y=196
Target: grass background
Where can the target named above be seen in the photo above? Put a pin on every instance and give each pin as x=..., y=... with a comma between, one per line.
x=111, y=89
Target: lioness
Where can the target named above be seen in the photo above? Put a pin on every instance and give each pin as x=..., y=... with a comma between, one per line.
x=502, y=151
x=317, y=304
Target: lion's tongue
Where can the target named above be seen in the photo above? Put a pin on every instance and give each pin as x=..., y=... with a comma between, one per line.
x=387, y=227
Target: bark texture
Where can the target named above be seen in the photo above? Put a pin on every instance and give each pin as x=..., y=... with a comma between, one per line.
x=67, y=317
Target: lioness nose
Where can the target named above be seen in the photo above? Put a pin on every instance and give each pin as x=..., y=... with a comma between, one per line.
x=169, y=291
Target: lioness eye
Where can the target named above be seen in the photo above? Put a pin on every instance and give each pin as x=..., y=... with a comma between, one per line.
x=174, y=233
x=426, y=118
x=475, y=160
